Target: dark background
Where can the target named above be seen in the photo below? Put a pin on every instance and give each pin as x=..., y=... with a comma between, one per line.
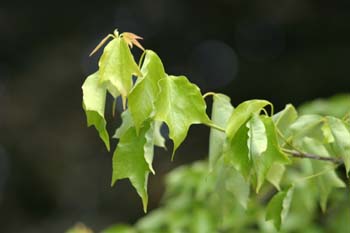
x=54, y=171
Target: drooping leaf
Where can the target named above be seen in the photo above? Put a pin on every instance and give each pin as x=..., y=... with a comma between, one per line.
x=341, y=140
x=273, y=154
x=238, y=186
x=94, y=97
x=257, y=139
x=337, y=106
x=117, y=66
x=284, y=119
x=278, y=207
x=326, y=178
x=236, y=151
x=221, y=111
x=146, y=90
x=127, y=123
x=129, y=161
x=242, y=113
x=149, y=146
x=275, y=174
x=306, y=125
x=180, y=104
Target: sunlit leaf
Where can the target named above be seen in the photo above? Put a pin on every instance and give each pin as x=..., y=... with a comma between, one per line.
x=180, y=105
x=278, y=207
x=117, y=66
x=242, y=113
x=257, y=139
x=221, y=111
x=146, y=90
x=94, y=97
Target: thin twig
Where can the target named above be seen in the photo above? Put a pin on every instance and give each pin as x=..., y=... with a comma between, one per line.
x=302, y=155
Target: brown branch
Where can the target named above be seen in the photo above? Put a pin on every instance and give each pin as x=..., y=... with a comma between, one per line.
x=302, y=155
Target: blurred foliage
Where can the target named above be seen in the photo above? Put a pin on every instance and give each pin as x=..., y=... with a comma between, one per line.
x=202, y=200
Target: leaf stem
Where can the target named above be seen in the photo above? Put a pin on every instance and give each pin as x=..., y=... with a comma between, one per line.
x=302, y=155
x=141, y=58
x=208, y=94
x=211, y=125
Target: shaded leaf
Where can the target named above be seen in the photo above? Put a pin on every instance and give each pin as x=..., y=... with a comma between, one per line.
x=273, y=153
x=146, y=90
x=327, y=178
x=221, y=111
x=341, y=140
x=181, y=105
x=159, y=140
x=284, y=119
x=120, y=228
x=127, y=123
x=236, y=151
x=129, y=161
x=275, y=174
x=79, y=228
x=278, y=207
x=94, y=97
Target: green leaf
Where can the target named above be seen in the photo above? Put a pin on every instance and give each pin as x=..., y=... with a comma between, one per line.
x=149, y=147
x=305, y=124
x=278, y=207
x=202, y=221
x=94, y=97
x=127, y=123
x=117, y=66
x=257, y=140
x=159, y=140
x=341, y=140
x=236, y=151
x=236, y=185
x=180, y=104
x=327, y=178
x=242, y=113
x=275, y=174
x=146, y=90
x=284, y=119
x=120, y=228
x=221, y=111
x=273, y=154
x=129, y=160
